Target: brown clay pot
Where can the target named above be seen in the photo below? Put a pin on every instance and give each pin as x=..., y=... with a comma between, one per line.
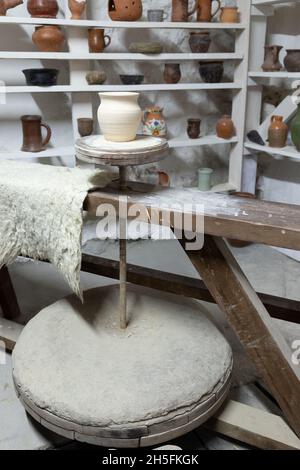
x=278, y=132
x=124, y=10
x=85, y=126
x=199, y=42
x=42, y=8
x=7, y=4
x=172, y=73
x=225, y=128
x=230, y=15
x=204, y=11
x=240, y=243
x=32, y=134
x=48, y=38
x=292, y=60
x=97, y=39
x=271, y=63
x=180, y=10
x=193, y=128
x=77, y=8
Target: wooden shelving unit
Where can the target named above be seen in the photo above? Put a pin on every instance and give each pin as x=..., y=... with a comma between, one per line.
x=80, y=59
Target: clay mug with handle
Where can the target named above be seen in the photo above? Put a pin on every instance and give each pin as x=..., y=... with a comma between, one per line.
x=204, y=10
x=32, y=134
x=180, y=10
x=98, y=41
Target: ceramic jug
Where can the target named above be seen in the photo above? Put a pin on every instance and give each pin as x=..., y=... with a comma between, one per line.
x=42, y=8
x=180, y=10
x=32, y=134
x=7, y=4
x=225, y=127
x=98, y=41
x=124, y=10
x=204, y=11
x=154, y=122
x=271, y=63
x=278, y=132
x=119, y=116
x=77, y=8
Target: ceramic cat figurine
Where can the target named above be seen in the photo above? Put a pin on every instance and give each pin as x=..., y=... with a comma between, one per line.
x=7, y=4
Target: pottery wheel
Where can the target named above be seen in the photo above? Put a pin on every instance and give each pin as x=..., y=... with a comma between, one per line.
x=81, y=376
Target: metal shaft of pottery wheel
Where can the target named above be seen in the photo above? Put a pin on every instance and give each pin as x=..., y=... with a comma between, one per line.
x=143, y=150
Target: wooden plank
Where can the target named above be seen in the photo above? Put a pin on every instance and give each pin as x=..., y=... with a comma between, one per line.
x=264, y=222
x=8, y=299
x=253, y=426
x=9, y=333
x=251, y=322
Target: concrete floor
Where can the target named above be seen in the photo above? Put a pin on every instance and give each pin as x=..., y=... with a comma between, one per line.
x=38, y=284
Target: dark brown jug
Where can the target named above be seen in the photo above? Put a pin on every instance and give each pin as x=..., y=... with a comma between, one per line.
x=32, y=134
x=180, y=10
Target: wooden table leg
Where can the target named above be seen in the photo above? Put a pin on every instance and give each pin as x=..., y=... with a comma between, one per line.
x=8, y=298
x=251, y=322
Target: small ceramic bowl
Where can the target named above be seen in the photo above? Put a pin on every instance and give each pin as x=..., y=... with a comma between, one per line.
x=41, y=77
x=132, y=79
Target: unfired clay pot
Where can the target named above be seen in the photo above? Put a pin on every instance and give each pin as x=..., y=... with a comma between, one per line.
x=119, y=116
x=48, y=38
x=180, y=10
x=225, y=128
x=77, y=8
x=42, y=8
x=292, y=60
x=278, y=132
x=271, y=63
x=124, y=10
x=7, y=4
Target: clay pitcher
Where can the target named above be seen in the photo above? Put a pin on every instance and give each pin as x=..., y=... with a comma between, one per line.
x=205, y=13
x=271, y=63
x=42, y=8
x=32, y=134
x=278, y=132
x=77, y=8
x=180, y=10
x=7, y=4
x=124, y=10
x=97, y=39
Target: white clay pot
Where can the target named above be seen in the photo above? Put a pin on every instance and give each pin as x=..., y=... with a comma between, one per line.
x=119, y=116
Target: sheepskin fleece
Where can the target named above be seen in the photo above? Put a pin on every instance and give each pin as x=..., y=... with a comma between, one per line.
x=41, y=214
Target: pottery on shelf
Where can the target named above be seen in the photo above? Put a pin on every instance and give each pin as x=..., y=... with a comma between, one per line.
x=96, y=77
x=180, y=10
x=205, y=11
x=295, y=130
x=172, y=73
x=98, y=41
x=292, y=60
x=193, y=128
x=204, y=179
x=271, y=62
x=211, y=71
x=42, y=8
x=119, y=116
x=77, y=8
x=230, y=15
x=199, y=42
x=145, y=48
x=156, y=16
x=125, y=10
x=278, y=132
x=7, y=5
x=32, y=134
x=225, y=127
x=48, y=38
x=41, y=77
x=153, y=122
x=132, y=79
x=85, y=126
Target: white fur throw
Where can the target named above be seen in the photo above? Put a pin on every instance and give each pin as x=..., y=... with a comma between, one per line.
x=41, y=214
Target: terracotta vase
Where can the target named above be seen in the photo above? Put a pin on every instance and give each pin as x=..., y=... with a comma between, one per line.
x=98, y=41
x=292, y=60
x=7, y=5
x=295, y=130
x=48, y=38
x=230, y=15
x=225, y=127
x=204, y=10
x=32, y=134
x=154, y=122
x=180, y=10
x=278, y=132
x=271, y=63
x=85, y=126
x=199, y=42
x=124, y=10
x=77, y=8
x=172, y=73
x=42, y=8
x=193, y=128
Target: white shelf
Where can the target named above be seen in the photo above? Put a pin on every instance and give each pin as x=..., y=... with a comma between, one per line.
x=50, y=152
x=258, y=3
x=119, y=24
x=177, y=56
x=287, y=152
x=282, y=74
x=207, y=140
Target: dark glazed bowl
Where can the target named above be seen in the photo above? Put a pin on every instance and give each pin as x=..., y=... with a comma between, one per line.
x=41, y=77
x=132, y=79
x=211, y=72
